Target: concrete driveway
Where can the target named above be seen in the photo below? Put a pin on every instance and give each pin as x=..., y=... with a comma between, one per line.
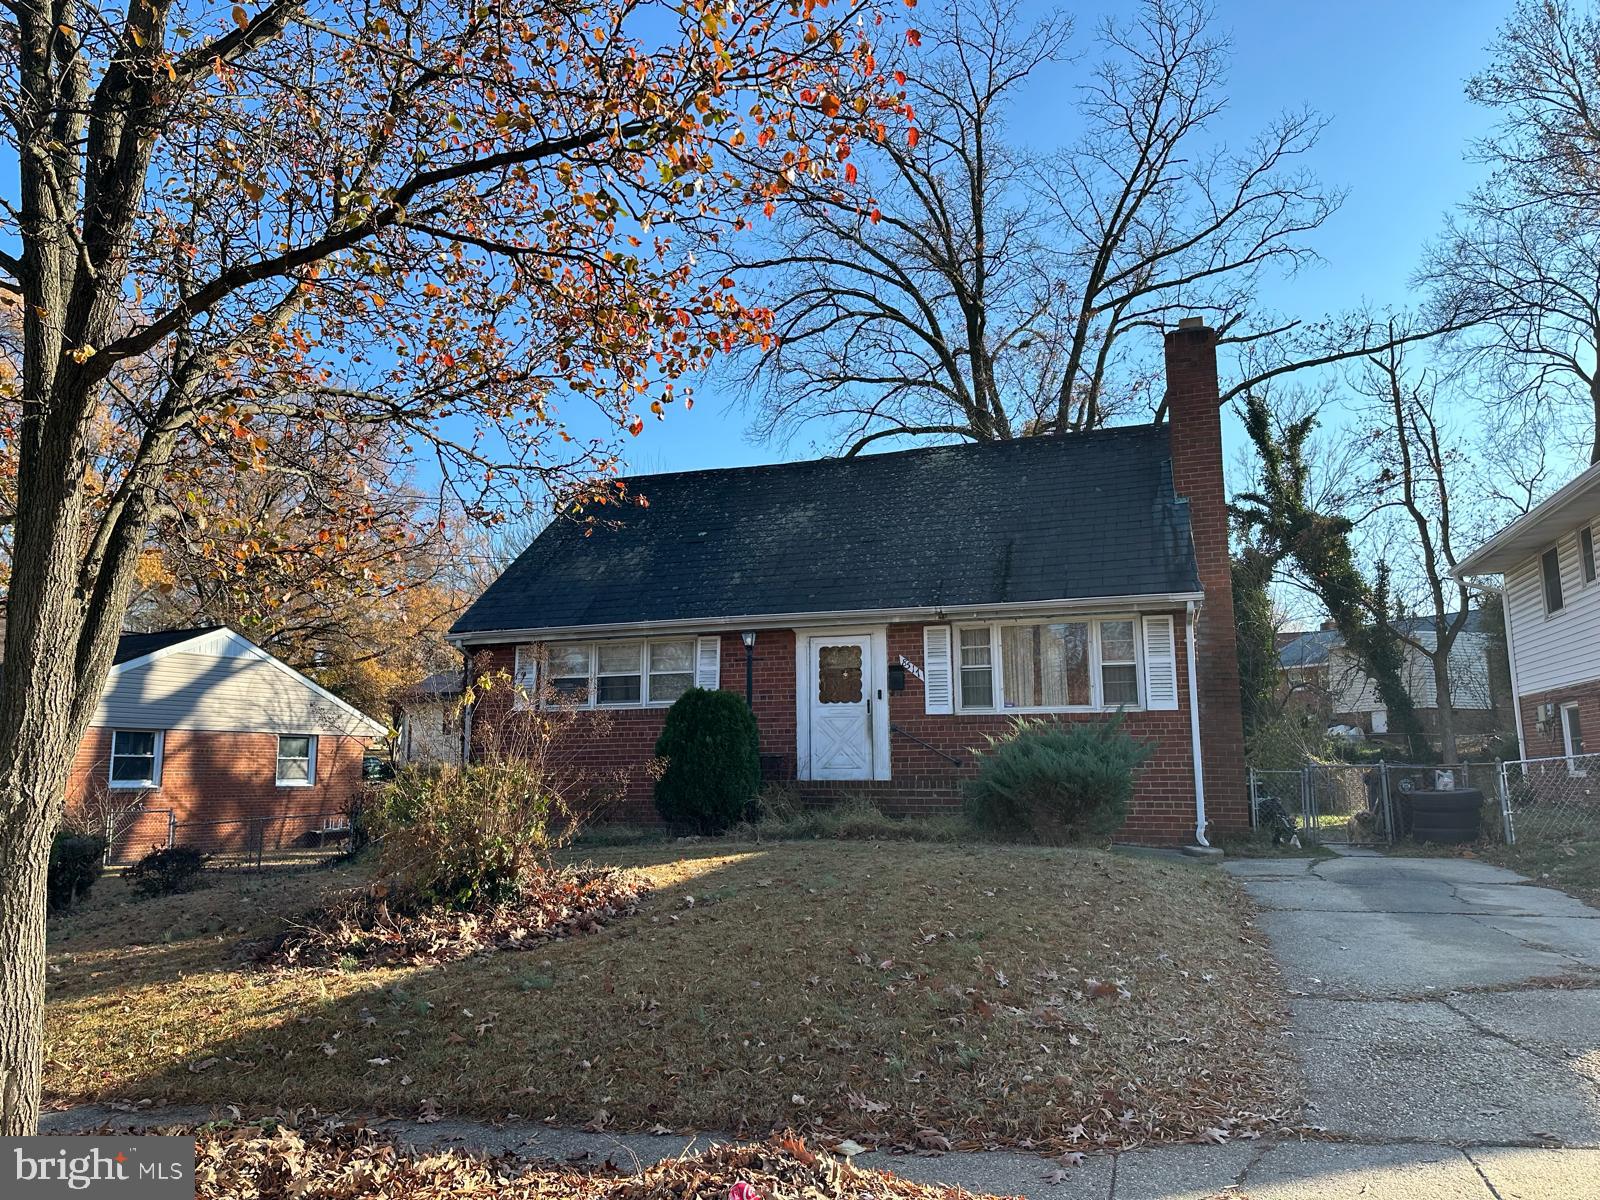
x=1443, y=1003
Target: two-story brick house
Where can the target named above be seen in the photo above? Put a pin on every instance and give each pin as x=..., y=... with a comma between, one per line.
x=888, y=612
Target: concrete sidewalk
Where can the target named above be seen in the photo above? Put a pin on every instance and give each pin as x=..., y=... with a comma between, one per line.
x=1445, y=1013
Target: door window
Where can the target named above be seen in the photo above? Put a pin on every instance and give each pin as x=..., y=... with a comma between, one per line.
x=839, y=674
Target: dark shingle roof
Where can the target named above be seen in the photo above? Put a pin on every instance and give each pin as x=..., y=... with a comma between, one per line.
x=1311, y=649
x=1039, y=518
x=136, y=645
x=439, y=685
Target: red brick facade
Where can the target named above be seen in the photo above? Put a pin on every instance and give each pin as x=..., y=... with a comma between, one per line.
x=921, y=777
x=219, y=790
x=921, y=782
x=1549, y=742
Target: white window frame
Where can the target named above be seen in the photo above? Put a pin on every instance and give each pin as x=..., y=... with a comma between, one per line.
x=1544, y=586
x=1096, y=703
x=311, y=762
x=643, y=647
x=155, y=767
x=1573, y=754
x=524, y=677
x=1589, y=559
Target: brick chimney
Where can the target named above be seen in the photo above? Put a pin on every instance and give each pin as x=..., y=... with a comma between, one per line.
x=1195, y=421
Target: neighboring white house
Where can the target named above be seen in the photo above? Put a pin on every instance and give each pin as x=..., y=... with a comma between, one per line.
x=1547, y=561
x=430, y=720
x=1318, y=662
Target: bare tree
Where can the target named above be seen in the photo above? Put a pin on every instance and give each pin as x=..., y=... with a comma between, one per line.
x=1415, y=478
x=1522, y=257
x=985, y=292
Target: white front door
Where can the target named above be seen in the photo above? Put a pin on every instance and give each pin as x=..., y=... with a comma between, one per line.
x=841, y=707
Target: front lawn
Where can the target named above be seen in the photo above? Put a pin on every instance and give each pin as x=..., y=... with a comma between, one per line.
x=1570, y=864
x=890, y=993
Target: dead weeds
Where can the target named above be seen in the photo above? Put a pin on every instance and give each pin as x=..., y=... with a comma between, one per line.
x=899, y=995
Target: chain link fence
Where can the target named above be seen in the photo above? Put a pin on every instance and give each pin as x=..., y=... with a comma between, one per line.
x=251, y=842
x=1551, y=799
x=1355, y=803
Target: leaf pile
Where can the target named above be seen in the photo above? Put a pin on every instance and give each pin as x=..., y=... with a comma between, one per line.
x=368, y=929
x=343, y=1162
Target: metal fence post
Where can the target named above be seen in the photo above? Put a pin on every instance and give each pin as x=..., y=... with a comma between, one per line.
x=172, y=828
x=1506, y=824
x=1255, y=799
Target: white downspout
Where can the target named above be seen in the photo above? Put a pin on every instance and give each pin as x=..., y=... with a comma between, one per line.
x=1190, y=637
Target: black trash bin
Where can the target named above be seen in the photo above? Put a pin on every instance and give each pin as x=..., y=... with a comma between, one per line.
x=1450, y=817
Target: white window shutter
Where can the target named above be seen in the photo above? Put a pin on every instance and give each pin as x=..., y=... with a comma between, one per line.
x=525, y=676
x=938, y=690
x=708, y=663
x=1160, y=664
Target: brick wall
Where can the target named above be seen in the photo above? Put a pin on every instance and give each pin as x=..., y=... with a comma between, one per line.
x=1550, y=743
x=218, y=786
x=1196, y=431
x=618, y=745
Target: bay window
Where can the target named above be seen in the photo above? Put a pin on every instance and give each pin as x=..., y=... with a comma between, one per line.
x=1042, y=666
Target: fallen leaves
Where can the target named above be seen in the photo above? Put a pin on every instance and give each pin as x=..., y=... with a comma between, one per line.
x=288, y=1163
x=363, y=929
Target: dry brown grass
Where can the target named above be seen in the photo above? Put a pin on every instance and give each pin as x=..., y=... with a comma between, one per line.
x=893, y=993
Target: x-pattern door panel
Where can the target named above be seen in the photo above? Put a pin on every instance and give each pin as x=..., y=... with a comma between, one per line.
x=841, y=707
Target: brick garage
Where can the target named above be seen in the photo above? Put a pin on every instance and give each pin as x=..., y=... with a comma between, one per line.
x=1123, y=527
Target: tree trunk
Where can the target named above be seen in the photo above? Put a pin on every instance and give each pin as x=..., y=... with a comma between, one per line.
x=37, y=740
x=1446, y=707
x=1594, y=400
x=42, y=718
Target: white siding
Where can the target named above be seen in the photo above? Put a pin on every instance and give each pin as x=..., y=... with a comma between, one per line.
x=1561, y=650
x=1354, y=691
x=430, y=731
x=219, y=692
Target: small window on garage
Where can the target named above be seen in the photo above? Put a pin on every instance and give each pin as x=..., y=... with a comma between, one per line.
x=297, y=760
x=1586, y=552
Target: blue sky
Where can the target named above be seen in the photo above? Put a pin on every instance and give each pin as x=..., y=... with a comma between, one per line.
x=1390, y=78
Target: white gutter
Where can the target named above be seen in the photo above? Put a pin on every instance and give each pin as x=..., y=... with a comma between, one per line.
x=802, y=619
x=1573, y=490
x=1190, y=638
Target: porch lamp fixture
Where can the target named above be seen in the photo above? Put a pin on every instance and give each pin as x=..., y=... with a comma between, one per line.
x=748, y=637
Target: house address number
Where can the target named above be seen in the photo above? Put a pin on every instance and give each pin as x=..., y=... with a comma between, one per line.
x=913, y=668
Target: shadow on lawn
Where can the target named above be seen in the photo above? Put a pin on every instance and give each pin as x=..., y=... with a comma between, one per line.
x=391, y=1038
x=117, y=938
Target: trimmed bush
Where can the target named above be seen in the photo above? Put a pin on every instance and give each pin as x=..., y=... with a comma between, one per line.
x=467, y=837
x=1053, y=782
x=76, y=860
x=168, y=871
x=711, y=762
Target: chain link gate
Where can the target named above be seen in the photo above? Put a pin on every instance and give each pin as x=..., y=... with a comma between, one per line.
x=1355, y=804
x=1550, y=800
